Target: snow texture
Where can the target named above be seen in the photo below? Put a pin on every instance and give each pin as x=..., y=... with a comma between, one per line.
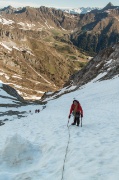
x=34, y=147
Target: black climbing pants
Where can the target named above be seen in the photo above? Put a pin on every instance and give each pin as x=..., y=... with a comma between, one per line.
x=76, y=119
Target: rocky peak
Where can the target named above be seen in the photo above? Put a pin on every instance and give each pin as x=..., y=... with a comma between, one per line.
x=9, y=9
x=108, y=6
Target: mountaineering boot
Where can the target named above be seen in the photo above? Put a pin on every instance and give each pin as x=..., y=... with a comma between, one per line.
x=73, y=123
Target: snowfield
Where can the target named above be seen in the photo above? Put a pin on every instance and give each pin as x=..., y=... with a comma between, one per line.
x=34, y=147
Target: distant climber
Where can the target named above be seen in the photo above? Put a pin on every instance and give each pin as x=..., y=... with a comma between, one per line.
x=37, y=110
x=77, y=111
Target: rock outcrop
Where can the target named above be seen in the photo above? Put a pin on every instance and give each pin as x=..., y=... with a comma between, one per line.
x=105, y=64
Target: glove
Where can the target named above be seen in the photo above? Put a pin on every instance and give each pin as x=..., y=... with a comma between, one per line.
x=69, y=116
x=81, y=115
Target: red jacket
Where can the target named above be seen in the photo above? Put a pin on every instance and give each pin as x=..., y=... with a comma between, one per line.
x=79, y=108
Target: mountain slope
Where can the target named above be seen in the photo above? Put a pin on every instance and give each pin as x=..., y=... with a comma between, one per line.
x=41, y=47
x=98, y=29
x=10, y=104
x=105, y=63
x=39, y=152
x=35, y=51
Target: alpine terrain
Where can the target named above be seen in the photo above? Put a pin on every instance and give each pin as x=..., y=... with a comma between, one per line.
x=40, y=48
x=37, y=142
x=36, y=54
x=80, y=10
x=98, y=29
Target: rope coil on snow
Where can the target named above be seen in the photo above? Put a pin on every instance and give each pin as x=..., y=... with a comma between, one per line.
x=66, y=153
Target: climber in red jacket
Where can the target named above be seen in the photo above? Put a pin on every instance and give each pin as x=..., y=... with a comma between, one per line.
x=77, y=112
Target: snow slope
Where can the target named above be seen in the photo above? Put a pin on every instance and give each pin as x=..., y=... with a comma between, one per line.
x=34, y=147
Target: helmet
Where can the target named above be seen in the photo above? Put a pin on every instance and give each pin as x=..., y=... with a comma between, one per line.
x=75, y=101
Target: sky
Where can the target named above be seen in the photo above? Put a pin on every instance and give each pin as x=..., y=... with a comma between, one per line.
x=58, y=3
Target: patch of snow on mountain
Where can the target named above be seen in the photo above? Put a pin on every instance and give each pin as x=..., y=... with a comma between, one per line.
x=109, y=62
x=5, y=46
x=29, y=52
x=4, y=74
x=14, y=47
x=16, y=76
x=5, y=21
x=99, y=77
x=48, y=26
x=26, y=26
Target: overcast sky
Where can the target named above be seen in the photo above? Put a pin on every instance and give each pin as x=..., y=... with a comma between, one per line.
x=58, y=3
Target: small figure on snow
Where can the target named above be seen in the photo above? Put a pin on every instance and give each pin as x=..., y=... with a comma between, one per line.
x=77, y=111
x=37, y=110
x=44, y=107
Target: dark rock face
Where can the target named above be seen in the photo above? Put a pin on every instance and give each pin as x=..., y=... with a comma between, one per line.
x=12, y=92
x=107, y=61
x=109, y=6
x=97, y=30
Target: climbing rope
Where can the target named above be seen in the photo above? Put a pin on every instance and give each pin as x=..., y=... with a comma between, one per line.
x=68, y=126
x=66, y=152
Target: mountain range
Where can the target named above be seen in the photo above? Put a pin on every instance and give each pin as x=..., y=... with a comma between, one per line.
x=36, y=52
x=40, y=51
x=40, y=48
x=80, y=10
x=98, y=29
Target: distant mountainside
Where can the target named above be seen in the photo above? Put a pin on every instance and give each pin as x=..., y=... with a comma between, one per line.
x=98, y=29
x=106, y=63
x=80, y=10
x=36, y=54
x=41, y=47
x=104, y=66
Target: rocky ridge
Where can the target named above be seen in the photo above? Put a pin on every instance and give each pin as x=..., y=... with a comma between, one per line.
x=98, y=29
x=40, y=47
x=36, y=54
x=102, y=67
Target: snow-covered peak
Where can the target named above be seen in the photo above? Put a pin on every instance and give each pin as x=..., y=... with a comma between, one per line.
x=80, y=10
